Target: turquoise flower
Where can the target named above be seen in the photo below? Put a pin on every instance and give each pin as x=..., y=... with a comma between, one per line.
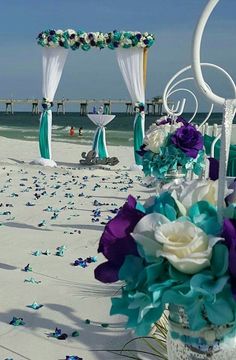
x=206, y=297
x=150, y=42
x=111, y=46
x=199, y=163
x=126, y=46
x=165, y=205
x=85, y=47
x=204, y=215
x=141, y=298
x=230, y=211
x=127, y=35
x=117, y=36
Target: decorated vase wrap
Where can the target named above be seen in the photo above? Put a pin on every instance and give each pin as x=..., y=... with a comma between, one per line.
x=211, y=342
x=44, y=134
x=99, y=143
x=138, y=136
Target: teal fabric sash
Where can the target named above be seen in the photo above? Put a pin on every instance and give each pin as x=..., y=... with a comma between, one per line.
x=99, y=144
x=231, y=171
x=43, y=136
x=138, y=136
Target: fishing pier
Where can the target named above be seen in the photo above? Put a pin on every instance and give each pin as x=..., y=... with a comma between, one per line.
x=152, y=107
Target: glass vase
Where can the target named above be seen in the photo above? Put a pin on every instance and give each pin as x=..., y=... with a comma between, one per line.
x=172, y=176
x=213, y=342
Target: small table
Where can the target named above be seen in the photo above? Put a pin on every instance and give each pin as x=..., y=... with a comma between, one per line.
x=99, y=140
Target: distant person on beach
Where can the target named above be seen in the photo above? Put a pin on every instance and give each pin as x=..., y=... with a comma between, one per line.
x=80, y=131
x=72, y=131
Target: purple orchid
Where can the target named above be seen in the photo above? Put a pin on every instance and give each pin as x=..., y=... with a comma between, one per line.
x=229, y=233
x=116, y=241
x=188, y=139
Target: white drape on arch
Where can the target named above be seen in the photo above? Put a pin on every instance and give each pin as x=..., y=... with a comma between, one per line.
x=53, y=62
x=131, y=65
x=130, y=62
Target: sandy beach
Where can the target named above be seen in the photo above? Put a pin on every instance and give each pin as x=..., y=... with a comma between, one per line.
x=43, y=209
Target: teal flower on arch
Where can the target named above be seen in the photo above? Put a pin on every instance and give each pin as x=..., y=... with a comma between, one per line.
x=85, y=47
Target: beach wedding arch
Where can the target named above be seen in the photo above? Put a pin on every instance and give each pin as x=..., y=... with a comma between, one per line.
x=131, y=52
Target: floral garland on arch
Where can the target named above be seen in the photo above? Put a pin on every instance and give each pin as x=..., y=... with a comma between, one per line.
x=86, y=40
x=170, y=148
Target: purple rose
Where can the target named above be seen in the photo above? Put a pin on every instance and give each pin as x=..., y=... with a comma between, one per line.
x=116, y=241
x=188, y=139
x=229, y=233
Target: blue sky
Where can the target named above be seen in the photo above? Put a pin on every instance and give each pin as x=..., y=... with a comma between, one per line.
x=95, y=74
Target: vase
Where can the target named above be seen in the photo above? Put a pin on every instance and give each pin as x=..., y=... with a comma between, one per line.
x=172, y=176
x=212, y=342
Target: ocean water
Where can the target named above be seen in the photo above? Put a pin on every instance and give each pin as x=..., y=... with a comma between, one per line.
x=25, y=126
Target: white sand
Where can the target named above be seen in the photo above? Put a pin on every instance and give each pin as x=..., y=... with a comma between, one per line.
x=69, y=294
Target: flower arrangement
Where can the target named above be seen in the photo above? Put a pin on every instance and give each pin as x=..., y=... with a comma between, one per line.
x=173, y=252
x=85, y=41
x=139, y=107
x=168, y=147
x=47, y=104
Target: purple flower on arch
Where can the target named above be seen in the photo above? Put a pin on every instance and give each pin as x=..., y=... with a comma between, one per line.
x=116, y=241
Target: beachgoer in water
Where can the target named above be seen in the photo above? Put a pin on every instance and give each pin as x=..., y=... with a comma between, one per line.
x=72, y=131
x=80, y=131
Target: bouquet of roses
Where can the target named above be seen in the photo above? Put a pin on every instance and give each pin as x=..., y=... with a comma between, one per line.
x=169, y=147
x=173, y=251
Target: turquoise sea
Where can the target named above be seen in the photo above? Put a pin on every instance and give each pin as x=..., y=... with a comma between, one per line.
x=24, y=126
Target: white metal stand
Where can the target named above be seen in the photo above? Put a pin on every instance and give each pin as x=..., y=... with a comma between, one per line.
x=229, y=105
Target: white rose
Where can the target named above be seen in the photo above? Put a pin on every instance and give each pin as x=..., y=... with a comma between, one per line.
x=155, y=138
x=86, y=38
x=187, y=247
x=52, y=44
x=71, y=32
x=95, y=36
x=101, y=37
x=126, y=41
x=190, y=192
